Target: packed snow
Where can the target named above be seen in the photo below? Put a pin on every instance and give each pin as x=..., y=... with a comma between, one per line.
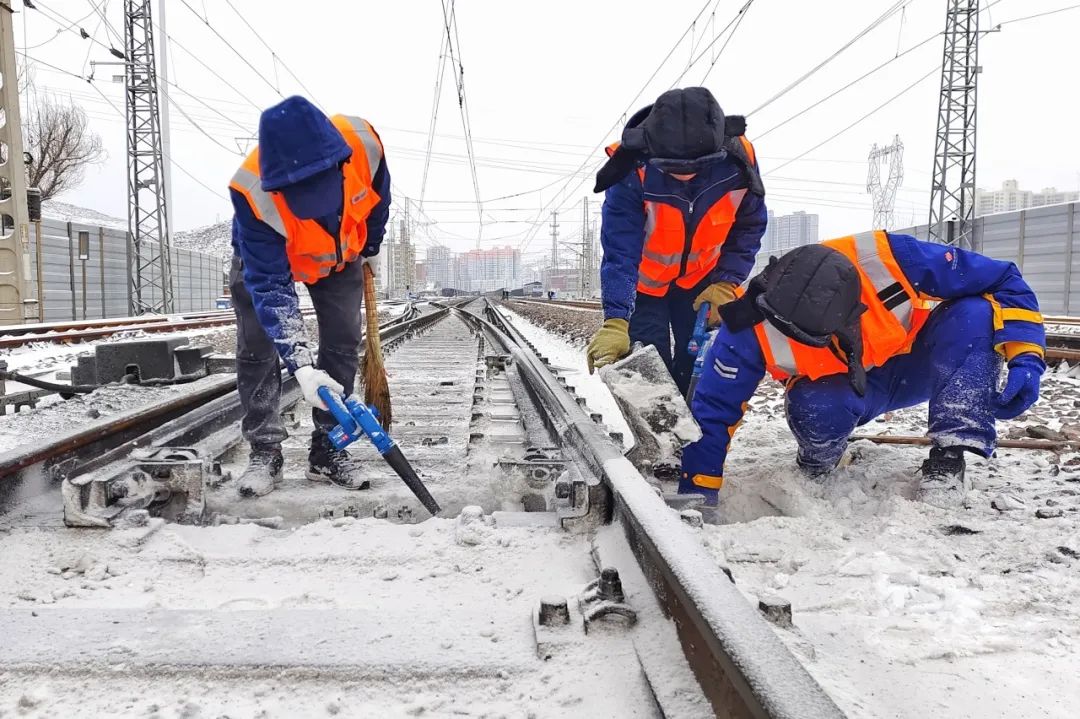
x=215, y=239
x=902, y=609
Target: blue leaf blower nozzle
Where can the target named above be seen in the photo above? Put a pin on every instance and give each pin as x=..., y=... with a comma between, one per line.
x=356, y=419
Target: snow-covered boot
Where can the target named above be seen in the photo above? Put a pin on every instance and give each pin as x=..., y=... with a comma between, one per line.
x=327, y=464
x=262, y=474
x=943, y=482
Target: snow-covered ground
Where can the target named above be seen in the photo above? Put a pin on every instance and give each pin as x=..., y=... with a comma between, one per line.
x=902, y=609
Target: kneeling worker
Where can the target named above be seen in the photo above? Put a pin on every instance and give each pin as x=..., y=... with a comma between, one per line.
x=311, y=202
x=849, y=326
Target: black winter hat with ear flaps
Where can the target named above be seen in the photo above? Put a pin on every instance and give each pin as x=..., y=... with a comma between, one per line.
x=811, y=294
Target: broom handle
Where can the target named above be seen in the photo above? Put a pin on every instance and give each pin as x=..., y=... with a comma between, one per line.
x=373, y=346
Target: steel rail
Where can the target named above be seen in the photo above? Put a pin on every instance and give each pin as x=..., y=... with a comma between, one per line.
x=99, y=329
x=105, y=441
x=743, y=667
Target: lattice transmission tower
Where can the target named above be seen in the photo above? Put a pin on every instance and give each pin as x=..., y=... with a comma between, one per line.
x=151, y=267
x=884, y=195
x=952, y=195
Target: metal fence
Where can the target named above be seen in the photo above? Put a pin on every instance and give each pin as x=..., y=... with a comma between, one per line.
x=82, y=273
x=1044, y=242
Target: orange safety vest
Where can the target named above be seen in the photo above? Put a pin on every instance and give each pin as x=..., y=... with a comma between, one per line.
x=312, y=252
x=895, y=314
x=665, y=239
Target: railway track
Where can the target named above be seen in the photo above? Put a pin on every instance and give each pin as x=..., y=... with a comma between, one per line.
x=65, y=332
x=579, y=304
x=371, y=610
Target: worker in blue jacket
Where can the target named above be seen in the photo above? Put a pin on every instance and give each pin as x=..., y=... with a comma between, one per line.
x=863, y=325
x=311, y=204
x=682, y=221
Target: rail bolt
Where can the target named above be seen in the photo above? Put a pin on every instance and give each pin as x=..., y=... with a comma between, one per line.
x=554, y=611
x=610, y=586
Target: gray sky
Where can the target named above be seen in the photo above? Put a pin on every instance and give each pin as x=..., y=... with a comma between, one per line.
x=548, y=82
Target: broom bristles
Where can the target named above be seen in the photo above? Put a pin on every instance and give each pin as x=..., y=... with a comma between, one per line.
x=372, y=371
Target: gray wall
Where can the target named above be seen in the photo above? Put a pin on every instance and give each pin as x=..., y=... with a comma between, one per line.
x=74, y=289
x=1044, y=242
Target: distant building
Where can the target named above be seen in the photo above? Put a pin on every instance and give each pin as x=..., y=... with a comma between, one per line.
x=1011, y=198
x=786, y=232
x=487, y=270
x=421, y=274
x=440, y=266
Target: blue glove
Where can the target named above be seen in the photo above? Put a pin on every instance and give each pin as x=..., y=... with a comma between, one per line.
x=1022, y=386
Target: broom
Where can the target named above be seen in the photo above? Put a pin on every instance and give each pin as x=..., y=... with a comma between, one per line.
x=372, y=371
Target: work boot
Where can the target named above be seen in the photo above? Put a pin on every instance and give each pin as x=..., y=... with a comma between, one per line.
x=327, y=464
x=820, y=471
x=943, y=482
x=263, y=473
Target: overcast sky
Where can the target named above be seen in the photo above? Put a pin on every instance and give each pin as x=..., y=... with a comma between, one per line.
x=548, y=83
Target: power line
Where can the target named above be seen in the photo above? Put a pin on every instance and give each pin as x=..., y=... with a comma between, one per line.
x=230, y=46
x=276, y=57
x=798, y=81
x=857, y=80
x=858, y=121
x=585, y=163
x=175, y=164
x=733, y=22
x=450, y=20
x=854, y=82
x=435, y=102
x=741, y=17
x=72, y=24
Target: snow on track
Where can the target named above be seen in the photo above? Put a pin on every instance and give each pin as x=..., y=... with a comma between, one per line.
x=902, y=609
x=569, y=357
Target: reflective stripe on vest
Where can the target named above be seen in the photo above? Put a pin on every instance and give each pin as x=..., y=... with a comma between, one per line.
x=262, y=204
x=372, y=146
x=780, y=354
x=662, y=253
x=895, y=314
x=890, y=291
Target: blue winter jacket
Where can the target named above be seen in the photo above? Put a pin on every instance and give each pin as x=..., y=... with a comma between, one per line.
x=267, y=274
x=622, y=230
x=936, y=271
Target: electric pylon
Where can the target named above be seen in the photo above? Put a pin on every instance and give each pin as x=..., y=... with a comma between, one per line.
x=952, y=195
x=151, y=266
x=884, y=195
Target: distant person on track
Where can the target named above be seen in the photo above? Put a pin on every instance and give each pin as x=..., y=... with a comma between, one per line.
x=863, y=325
x=683, y=217
x=311, y=202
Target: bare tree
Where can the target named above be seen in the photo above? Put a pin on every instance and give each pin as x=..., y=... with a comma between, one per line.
x=60, y=145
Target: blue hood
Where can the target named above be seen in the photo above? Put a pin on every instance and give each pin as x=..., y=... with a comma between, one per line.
x=297, y=141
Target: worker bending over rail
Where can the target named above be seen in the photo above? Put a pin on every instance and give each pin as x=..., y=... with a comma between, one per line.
x=852, y=329
x=682, y=221
x=312, y=201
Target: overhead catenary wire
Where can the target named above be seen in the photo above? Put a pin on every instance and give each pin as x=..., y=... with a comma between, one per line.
x=243, y=58
x=542, y=217
x=68, y=25
x=814, y=70
x=861, y=119
x=450, y=21
x=859, y=79
x=273, y=53
x=175, y=164
x=436, y=101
